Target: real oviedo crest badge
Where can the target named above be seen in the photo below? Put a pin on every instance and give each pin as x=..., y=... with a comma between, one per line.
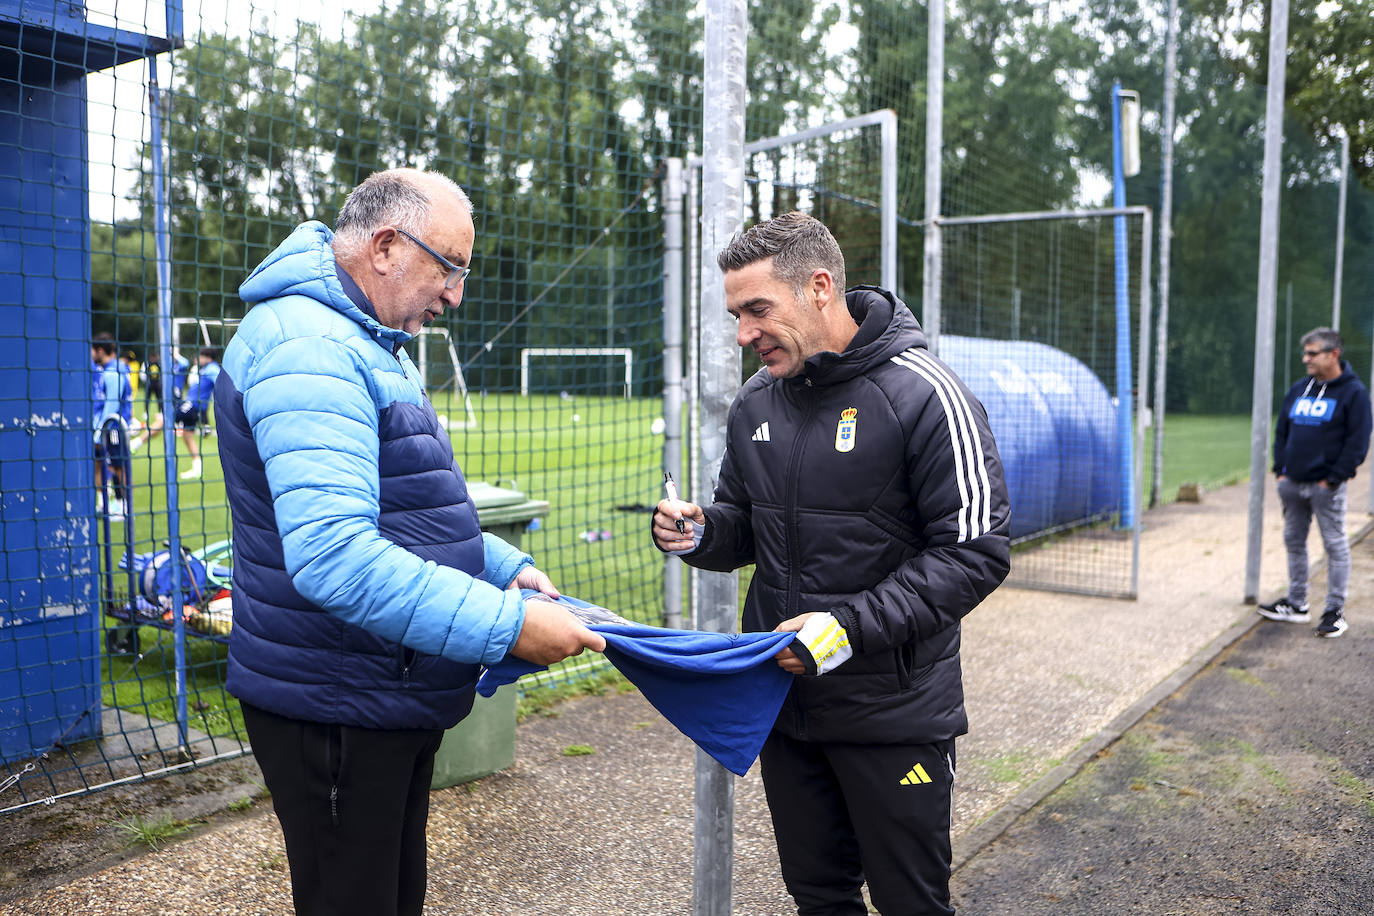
x=844, y=432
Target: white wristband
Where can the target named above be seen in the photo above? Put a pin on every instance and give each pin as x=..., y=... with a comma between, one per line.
x=697, y=532
x=827, y=642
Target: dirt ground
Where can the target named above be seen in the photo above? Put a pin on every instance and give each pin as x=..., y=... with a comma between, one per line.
x=1250, y=790
x=612, y=832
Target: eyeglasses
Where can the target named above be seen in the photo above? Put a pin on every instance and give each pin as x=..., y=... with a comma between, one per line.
x=1313, y=354
x=456, y=274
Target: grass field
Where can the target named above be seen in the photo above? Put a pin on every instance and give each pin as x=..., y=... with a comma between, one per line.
x=597, y=464
x=1211, y=450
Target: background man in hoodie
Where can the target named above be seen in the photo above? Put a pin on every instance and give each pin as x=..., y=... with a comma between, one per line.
x=1322, y=436
x=861, y=479
x=365, y=594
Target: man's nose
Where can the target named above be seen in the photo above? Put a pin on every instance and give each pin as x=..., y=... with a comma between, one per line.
x=745, y=333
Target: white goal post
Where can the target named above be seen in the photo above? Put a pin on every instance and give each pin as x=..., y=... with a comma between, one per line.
x=206, y=330
x=626, y=355
x=201, y=336
x=460, y=385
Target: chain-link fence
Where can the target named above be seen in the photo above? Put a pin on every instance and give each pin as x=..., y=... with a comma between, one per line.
x=557, y=118
x=1043, y=328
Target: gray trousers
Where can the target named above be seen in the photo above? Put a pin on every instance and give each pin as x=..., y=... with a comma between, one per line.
x=1302, y=501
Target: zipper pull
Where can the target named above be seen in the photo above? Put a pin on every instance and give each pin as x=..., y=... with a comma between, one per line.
x=334, y=804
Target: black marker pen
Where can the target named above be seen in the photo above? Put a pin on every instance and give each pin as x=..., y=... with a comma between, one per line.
x=670, y=488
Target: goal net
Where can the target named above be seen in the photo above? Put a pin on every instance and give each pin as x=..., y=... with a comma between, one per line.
x=583, y=370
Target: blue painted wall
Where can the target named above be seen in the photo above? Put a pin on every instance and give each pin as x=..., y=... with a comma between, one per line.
x=50, y=623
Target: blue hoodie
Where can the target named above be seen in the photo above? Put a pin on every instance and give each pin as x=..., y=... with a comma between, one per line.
x=365, y=592
x=1323, y=429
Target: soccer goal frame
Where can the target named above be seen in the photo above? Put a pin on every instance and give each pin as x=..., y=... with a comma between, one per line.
x=526, y=352
x=202, y=337
x=460, y=385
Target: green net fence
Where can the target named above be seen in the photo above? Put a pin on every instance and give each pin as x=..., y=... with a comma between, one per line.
x=557, y=119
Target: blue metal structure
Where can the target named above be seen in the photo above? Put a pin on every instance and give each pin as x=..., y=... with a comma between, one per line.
x=50, y=602
x=1124, y=423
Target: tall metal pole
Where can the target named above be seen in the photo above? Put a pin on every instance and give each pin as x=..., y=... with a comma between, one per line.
x=1262, y=397
x=672, y=369
x=935, y=118
x=888, y=134
x=1141, y=385
x=162, y=246
x=722, y=208
x=1166, y=237
x=1340, y=232
x=691, y=245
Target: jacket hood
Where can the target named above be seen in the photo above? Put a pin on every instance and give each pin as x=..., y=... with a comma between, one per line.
x=886, y=328
x=303, y=265
x=1348, y=374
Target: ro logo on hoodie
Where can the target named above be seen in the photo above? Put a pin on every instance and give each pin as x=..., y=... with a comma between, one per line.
x=1312, y=411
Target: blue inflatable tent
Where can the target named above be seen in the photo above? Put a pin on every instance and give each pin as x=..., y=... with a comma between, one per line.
x=1055, y=425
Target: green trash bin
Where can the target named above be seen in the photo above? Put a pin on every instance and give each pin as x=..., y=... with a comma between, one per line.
x=484, y=742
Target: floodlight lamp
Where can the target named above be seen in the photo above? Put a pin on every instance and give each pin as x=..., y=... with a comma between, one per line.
x=1130, y=132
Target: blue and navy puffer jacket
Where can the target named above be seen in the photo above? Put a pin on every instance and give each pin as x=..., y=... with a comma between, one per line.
x=365, y=593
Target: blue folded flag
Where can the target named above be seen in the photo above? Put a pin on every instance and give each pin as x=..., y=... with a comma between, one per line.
x=722, y=690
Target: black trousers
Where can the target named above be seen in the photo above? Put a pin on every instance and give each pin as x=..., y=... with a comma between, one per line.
x=846, y=813
x=352, y=803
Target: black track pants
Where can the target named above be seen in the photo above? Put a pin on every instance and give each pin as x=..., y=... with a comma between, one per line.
x=846, y=813
x=352, y=803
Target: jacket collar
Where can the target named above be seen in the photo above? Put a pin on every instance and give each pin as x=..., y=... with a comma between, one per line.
x=886, y=328
x=304, y=265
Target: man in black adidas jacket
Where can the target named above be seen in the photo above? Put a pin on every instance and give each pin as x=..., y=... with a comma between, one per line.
x=861, y=479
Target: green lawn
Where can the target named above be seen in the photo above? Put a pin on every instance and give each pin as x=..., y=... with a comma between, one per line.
x=590, y=458
x=1212, y=450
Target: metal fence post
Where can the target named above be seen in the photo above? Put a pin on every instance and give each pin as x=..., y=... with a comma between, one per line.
x=1263, y=391
x=169, y=439
x=1166, y=235
x=722, y=208
x=935, y=111
x=672, y=369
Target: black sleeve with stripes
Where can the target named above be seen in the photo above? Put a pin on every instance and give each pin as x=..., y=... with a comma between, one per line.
x=956, y=480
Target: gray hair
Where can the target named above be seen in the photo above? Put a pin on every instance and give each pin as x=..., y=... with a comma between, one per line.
x=1328, y=338
x=798, y=245
x=391, y=198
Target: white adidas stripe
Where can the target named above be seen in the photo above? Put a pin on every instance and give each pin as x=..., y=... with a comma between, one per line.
x=981, y=511
x=981, y=516
x=970, y=467
x=958, y=440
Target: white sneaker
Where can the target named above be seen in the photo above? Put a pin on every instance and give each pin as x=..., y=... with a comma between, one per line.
x=1285, y=611
x=192, y=474
x=114, y=510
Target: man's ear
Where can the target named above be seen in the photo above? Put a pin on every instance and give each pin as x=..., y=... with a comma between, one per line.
x=379, y=250
x=822, y=287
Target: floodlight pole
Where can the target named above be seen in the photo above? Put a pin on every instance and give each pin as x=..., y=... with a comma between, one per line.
x=1125, y=437
x=1262, y=396
x=722, y=208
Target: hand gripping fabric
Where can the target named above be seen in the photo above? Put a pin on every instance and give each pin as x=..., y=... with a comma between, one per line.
x=722, y=690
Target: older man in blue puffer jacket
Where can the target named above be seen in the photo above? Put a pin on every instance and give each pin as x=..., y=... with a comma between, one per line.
x=366, y=596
